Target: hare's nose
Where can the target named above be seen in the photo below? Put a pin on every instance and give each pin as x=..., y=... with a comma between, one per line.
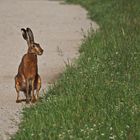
x=42, y=50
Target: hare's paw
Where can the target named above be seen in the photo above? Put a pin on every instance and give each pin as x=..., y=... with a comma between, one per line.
x=27, y=101
x=18, y=101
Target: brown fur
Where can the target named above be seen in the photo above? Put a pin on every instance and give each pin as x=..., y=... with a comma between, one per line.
x=27, y=80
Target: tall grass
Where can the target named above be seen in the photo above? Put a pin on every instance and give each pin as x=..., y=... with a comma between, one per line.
x=98, y=98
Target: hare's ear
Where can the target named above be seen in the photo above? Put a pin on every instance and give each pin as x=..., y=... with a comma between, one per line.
x=25, y=36
x=30, y=34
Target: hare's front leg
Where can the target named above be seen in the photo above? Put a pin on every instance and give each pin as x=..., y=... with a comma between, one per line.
x=27, y=91
x=33, y=99
x=38, y=86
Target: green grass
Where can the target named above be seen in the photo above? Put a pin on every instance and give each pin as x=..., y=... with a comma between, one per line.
x=98, y=98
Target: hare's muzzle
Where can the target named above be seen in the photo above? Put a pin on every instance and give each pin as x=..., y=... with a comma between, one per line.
x=40, y=51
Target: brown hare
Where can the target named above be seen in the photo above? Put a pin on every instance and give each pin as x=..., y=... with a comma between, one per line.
x=27, y=80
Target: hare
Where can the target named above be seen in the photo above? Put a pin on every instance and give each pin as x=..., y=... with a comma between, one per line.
x=27, y=80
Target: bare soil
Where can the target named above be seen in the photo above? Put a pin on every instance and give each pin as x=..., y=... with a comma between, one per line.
x=57, y=27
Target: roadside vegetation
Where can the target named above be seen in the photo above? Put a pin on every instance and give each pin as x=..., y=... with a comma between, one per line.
x=97, y=97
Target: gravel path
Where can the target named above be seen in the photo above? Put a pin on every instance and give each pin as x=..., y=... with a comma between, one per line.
x=57, y=27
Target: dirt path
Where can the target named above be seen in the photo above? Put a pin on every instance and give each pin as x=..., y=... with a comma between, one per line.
x=57, y=27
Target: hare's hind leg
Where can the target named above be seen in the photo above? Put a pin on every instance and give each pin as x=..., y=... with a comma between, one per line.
x=17, y=87
x=17, y=100
x=38, y=86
